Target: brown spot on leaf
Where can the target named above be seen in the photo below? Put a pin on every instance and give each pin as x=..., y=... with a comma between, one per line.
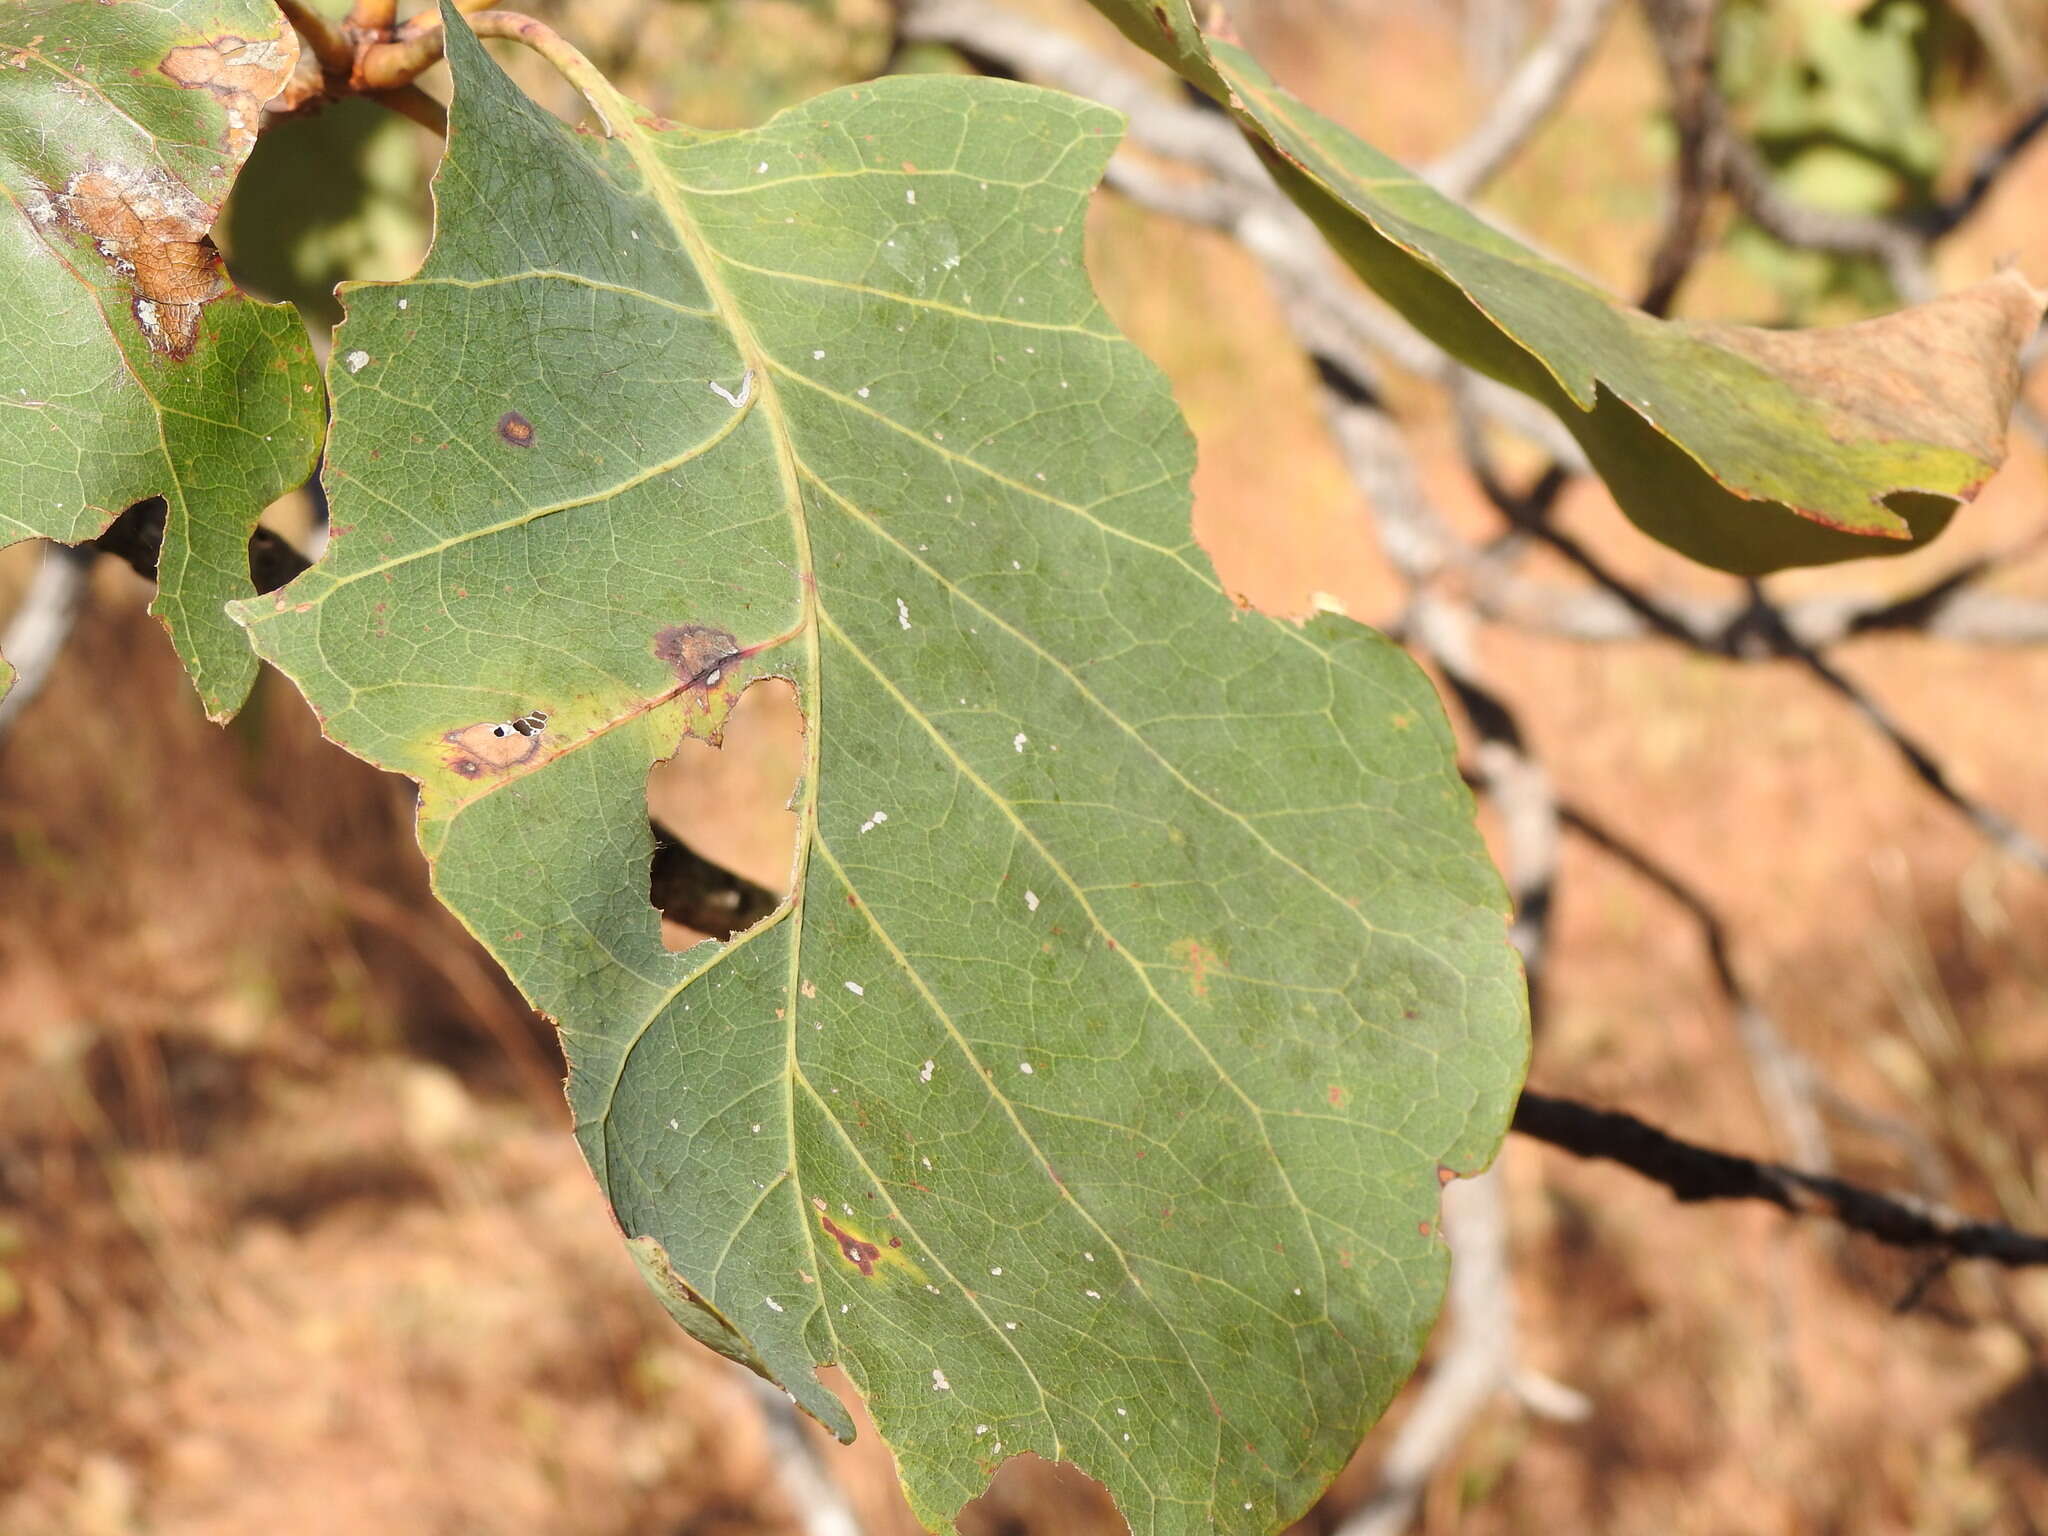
x=151, y=231
x=242, y=75
x=696, y=653
x=860, y=1255
x=495, y=746
x=515, y=429
x=1944, y=372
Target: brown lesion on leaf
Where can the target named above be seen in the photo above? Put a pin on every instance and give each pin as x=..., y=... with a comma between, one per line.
x=861, y=1255
x=697, y=654
x=515, y=429
x=241, y=73
x=1943, y=373
x=495, y=746
x=151, y=231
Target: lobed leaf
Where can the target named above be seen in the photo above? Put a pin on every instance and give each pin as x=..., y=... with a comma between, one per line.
x=130, y=366
x=1143, y=971
x=1745, y=449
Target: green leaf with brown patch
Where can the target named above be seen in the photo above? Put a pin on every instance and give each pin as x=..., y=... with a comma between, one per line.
x=130, y=366
x=1745, y=449
x=1144, y=965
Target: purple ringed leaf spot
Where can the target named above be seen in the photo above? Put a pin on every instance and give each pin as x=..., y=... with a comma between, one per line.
x=516, y=429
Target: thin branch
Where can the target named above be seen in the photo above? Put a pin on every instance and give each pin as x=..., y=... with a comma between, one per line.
x=1943, y=218
x=1947, y=608
x=1786, y=1080
x=1901, y=251
x=42, y=624
x=1695, y=1173
x=334, y=51
x=1683, y=31
x=1535, y=91
x=2005, y=835
x=409, y=101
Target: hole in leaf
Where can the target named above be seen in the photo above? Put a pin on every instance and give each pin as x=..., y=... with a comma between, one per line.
x=725, y=836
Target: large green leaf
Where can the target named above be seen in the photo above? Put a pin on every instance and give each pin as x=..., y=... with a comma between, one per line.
x=1144, y=968
x=129, y=365
x=1748, y=450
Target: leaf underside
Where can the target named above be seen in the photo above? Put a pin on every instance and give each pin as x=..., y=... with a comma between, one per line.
x=1745, y=449
x=1144, y=967
x=130, y=366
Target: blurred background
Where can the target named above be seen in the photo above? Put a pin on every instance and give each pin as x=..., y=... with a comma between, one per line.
x=292, y=1233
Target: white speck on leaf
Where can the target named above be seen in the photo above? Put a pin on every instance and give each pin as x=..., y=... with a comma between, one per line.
x=939, y=1382
x=924, y=1073
x=926, y=1161
x=1091, y=1295
x=817, y=354
x=981, y=1429
x=1123, y=1413
x=1011, y=1326
x=874, y=821
x=403, y=303
x=856, y=989
x=773, y=1304
x=1088, y=1256
x=1031, y=901
x=997, y=1270
x=672, y=1124
x=902, y=613
x=1018, y=741
x=862, y=391
x=357, y=361
x=1026, y=1068
x=761, y=169
x=910, y=195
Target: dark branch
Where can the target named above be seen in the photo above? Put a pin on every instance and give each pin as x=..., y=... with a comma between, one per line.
x=1695, y=1173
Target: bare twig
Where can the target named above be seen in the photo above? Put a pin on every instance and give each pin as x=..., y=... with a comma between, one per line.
x=322, y=37
x=1684, y=34
x=1535, y=91
x=1786, y=1080
x=1693, y=1173
x=1996, y=827
x=37, y=632
x=1992, y=164
x=1900, y=250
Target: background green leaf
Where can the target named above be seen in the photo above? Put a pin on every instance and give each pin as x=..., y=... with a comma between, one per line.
x=1144, y=967
x=129, y=365
x=1747, y=450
